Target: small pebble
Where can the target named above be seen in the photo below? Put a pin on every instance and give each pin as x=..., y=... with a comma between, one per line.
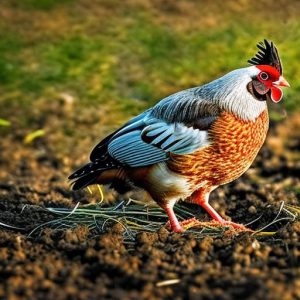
x=252, y=209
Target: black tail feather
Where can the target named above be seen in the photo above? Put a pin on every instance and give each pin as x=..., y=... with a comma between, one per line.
x=89, y=173
x=92, y=167
x=85, y=180
x=86, y=169
x=86, y=175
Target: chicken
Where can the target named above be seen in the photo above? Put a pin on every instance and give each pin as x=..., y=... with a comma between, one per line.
x=193, y=141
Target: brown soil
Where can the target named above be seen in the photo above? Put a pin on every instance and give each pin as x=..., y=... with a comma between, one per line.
x=86, y=264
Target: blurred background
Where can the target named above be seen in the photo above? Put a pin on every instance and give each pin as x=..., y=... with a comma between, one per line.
x=73, y=70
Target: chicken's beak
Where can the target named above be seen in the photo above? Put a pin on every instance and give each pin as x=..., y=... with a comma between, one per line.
x=281, y=82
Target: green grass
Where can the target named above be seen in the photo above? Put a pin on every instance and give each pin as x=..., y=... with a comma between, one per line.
x=126, y=56
x=42, y=4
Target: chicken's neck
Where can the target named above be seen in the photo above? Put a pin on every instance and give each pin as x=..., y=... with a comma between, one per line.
x=230, y=94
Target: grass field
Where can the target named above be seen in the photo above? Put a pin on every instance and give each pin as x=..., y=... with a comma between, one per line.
x=126, y=55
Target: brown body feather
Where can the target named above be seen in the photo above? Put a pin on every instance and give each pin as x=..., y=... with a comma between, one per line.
x=235, y=144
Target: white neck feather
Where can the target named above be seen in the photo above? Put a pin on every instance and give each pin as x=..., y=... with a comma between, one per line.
x=231, y=94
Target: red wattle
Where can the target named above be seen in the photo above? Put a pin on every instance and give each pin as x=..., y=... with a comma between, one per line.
x=276, y=94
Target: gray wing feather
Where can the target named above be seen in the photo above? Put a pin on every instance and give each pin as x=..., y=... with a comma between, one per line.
x=177, y=124
x=131, y=150
x=187, y=106
x=138, y=148
x=175, y=137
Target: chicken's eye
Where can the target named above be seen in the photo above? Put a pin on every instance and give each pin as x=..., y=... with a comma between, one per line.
x=264, y=76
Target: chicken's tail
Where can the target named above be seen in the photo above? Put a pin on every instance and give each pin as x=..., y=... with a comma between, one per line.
x=89, y=174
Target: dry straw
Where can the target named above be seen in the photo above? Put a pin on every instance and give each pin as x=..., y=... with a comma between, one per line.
x=134, y=216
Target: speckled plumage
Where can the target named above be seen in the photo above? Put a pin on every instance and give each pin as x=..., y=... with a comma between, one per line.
x=234, y=145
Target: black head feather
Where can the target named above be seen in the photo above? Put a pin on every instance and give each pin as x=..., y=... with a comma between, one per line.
x=267, y=55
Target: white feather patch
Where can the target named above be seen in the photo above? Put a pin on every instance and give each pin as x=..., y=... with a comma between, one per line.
x=165, y=183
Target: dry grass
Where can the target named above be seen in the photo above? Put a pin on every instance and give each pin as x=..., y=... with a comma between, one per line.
x=135, y=217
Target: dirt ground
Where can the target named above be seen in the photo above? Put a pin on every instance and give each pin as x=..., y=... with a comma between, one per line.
x=87, y=264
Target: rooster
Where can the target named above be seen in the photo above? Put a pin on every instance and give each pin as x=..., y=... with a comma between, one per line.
x=193, y=141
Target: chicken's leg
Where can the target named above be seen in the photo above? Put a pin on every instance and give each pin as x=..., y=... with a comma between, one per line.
x=173, y=221
x=201, y=198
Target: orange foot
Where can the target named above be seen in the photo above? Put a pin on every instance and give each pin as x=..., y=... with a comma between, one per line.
x=193, y=222
x=183, y=225
x=233, y=226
